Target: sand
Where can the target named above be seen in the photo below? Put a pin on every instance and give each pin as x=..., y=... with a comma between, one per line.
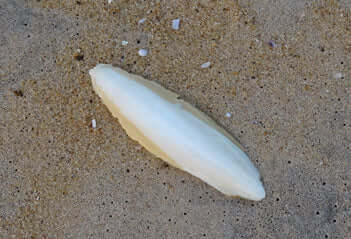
x=280, y=68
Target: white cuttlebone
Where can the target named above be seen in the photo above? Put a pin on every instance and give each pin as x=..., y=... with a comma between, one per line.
x=177, y=132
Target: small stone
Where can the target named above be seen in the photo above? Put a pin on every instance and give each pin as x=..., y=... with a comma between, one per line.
x=93, y=124
x=142, y=52
x=175, y=24
x=206, y=65
x=109, y=1
x=338, y=75
x=124, y=43
x=18, y=93
x=78, y=56
x=228, y=115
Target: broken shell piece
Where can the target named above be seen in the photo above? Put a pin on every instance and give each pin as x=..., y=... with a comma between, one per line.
x=142, y=52
x=206, y=65
x=93, y=123
x=176, y=132
x=228, y=115
x=175, y=24
x=272, y=44
x=142, y=20
x=124, y=43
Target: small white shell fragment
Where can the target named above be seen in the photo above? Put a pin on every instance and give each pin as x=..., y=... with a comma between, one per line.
x=124, y=43
x=142, y=52
x=109, y=1
x=175, y=24
x=228, y=115
x=272, y=44
x=142, y=20
x=93, y=124
x=176, y=132
x=338, y=75
x=206, y=65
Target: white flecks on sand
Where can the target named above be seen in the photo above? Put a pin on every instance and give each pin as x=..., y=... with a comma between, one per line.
x=109, y=1
x=338, y=75
x=206, y=65
x=228, y=115
x=142, y=20
x=142, y=52
x=124, y=43
x=272, y=44
x=175, y=24
x=93, y=124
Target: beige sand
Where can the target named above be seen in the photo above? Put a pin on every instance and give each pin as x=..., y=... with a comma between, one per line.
x=281, y=68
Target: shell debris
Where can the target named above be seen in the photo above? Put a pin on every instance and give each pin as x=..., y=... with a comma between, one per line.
x=206, y=65
x=175, y=24
x=124, y=43
x=93, y=123
x=142, y=20
x=272, y=44
x=142, y=52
